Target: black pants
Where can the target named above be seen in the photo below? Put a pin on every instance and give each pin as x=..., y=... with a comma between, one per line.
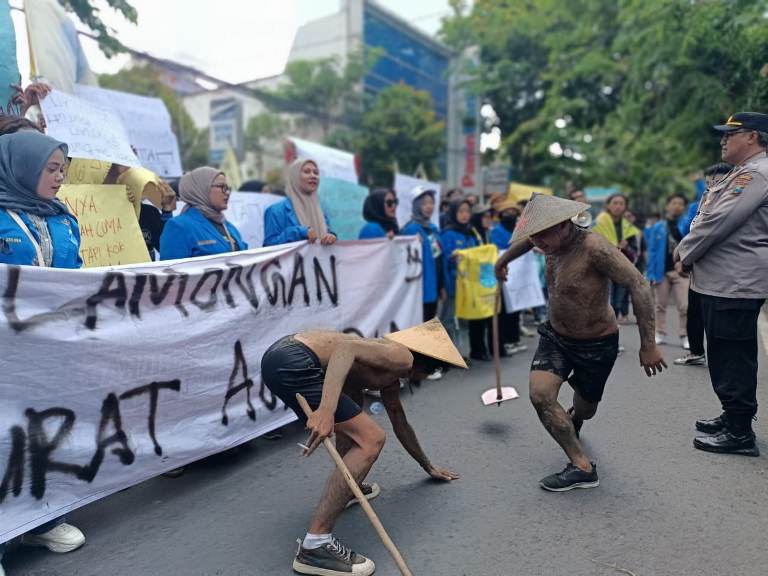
x=430, y=310
x=731, y=328
x=695, y=324
x=480, y=337
x=509, y=325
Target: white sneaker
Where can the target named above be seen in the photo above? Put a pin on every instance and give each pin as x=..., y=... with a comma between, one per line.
x=661, y=338
x=684, y=343
x=436, y=375
x=2, y=572
x=526, y=332
x=61, y=539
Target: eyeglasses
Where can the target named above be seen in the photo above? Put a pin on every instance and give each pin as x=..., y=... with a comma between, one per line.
x=223, y=187
x=727, y=135
x=391, y=203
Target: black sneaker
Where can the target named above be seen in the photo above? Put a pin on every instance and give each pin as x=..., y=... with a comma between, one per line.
x=370, y=491
x=332, y=559
x=728, y=442
x=577, y=422
x=570, y=478
x=713, y=425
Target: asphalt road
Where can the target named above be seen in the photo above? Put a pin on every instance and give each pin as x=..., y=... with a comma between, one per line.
x=662, y=509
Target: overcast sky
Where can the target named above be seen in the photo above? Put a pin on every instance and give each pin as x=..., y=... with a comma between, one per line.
x=236, y=40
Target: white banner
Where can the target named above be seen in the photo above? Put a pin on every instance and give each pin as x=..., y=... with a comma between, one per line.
x=404, y=185
x=523, y=287
x=112, y=376
x=246, y=212
x=91, y=131
x=148, y=124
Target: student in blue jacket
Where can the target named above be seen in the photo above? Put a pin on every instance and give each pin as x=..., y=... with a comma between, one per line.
x=457, y=235
x=201, y=229
x=663, y=238
x=433, y=276
x=299, y=216
x=36, y=229
x=379, y=211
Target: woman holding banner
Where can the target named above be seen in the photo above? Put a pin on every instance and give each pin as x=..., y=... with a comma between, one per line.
x=379, y=211
x=36, y=229
x=299, y=216
x=201, y=229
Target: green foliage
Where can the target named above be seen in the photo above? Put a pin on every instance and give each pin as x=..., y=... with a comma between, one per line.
x=88, y=14
x=263, y=128
x=638, y=83
x=400, y=129
x=145, y=81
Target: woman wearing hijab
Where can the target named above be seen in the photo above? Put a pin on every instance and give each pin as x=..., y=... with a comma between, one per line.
x=299, y=216
x=457, y=235
x=201, y=229
x=36, y=229
x=379, y=211
x=433, y=278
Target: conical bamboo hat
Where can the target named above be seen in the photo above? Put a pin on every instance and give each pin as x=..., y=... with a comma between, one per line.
x=544, y=211
x=429, y=339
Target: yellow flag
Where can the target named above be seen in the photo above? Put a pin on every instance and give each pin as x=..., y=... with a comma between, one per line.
x=518, y=191
x=109, y=231
x=231, y=168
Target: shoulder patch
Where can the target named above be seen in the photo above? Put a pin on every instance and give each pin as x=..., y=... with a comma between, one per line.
x=742, y=180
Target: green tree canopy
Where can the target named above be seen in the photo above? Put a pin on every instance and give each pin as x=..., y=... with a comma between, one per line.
x=88, y=13
x=400, y=129
x=144, y=80
x=615, y=92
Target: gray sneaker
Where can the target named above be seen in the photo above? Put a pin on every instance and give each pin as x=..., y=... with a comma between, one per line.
x=692, y=360
x=571, y=477
x=332, y=559
x=370, y=491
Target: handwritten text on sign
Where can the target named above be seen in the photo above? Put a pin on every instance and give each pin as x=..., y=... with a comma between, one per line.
x=109, y=231
x=120, y=375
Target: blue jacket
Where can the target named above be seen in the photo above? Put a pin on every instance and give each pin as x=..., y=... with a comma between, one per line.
x=429, y=266
x=452, y=241
x=656, y=238
x=16, y=247
x=501, y=237
x=372, y=230
x=281, y=225
x=191, y=234
x=693, y=208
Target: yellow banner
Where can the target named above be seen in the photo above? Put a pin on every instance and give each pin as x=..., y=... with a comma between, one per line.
x=518, y=191
x=109, y=230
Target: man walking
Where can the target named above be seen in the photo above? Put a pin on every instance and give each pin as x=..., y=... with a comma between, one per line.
x=727, y=250
x=580, y=342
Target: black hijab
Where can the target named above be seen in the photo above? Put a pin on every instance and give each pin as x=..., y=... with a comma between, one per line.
x=451, y=222
x=373, y=210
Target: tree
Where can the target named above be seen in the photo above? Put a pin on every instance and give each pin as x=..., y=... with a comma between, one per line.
x=609, y=92
x=261, y=129
x=145, y=80
x=400, y=129
x=88, y=14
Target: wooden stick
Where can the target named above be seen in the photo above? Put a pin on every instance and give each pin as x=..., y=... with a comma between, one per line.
x=361, y=499
x=496, y=353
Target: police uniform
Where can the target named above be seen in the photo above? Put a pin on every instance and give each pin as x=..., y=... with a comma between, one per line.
x=727, y=249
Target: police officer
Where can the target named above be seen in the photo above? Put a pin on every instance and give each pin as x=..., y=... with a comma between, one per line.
x=727, y=253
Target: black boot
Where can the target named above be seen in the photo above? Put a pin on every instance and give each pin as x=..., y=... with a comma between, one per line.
x=736, y=438
x=713, y=425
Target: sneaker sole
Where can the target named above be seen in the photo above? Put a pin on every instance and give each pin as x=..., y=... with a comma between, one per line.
x=365, y=569
x=375, y=492
x=754, y=452
x=55, y=547
x=594, y=484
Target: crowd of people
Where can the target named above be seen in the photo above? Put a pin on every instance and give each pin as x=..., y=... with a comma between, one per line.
x=720, y=235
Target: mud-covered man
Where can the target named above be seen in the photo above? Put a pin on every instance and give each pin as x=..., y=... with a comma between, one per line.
x=580, y=342
x=331, y=369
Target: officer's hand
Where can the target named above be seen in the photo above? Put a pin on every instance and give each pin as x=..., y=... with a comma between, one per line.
x=652, y=360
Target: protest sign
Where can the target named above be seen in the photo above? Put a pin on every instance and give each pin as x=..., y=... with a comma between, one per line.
x=90, y=131
x=148, y=124
x=522, y=289
x=121, y=374
x=343, y=201
x=109, y=231
x=518, y=191
x=246, y=212
x=332, y=162
x=403, y=186
x=83, y=171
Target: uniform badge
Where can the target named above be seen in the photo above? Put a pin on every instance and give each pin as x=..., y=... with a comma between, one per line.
x=740, y=182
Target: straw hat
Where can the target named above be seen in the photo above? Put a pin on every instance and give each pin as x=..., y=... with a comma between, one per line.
x=544, y=211
x=481, y=208
x=506, y=205
x=429, y=339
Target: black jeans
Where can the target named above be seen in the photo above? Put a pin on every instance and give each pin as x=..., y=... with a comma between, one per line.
x=695, y=324
x=731, y=328
x=509, y=325
x=430, y=310
x=480, y=337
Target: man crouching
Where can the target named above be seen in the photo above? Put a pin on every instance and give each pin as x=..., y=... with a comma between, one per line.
x=331, y=369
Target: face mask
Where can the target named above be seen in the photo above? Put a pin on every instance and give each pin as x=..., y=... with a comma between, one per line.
x=509, y=221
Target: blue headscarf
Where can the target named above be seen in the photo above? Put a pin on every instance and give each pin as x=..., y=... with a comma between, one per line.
x=23, y=157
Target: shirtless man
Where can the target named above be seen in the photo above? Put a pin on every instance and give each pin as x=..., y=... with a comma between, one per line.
x=580, y=342
x=330, y=369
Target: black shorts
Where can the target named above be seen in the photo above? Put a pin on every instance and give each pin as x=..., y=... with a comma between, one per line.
x=585, y=364
x=289, y=367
